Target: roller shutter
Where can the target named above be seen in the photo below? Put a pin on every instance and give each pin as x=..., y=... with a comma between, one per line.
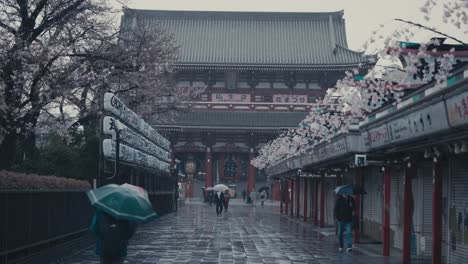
x=458, y=211
x=396, y=207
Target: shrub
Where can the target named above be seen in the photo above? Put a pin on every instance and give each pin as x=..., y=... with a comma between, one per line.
x=26, y=182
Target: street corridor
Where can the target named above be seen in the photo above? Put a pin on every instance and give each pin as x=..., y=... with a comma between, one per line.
x=242, y=235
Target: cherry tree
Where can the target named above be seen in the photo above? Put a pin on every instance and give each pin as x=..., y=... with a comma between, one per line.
x=353, y=98
x=58, y=57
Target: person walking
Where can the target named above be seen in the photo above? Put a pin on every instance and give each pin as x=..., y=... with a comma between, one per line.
x=210, y=198
x=253, y=196
x=263, y=196
x=343, y=212
x=227, y=197
x=112, y=237
x=244, y=194
x=219, y=202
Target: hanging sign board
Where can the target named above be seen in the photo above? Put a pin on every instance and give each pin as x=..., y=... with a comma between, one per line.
x=224, y=97
x=131, y=138
x=428, y=120
x=115, y=106
x=131, y=155
x=457, y=109
x=378, y=136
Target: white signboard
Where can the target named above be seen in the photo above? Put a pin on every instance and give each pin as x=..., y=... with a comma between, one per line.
x=119, y=109
x=457, y=109
x=131, y=155
x=224, y=97
x=378, y=136
x=428, y=120
x=290, y=98
x=131, y=138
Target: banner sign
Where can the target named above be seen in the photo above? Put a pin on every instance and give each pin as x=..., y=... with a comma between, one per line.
x=131, y=155
x=378, y=136
x=290, y=98
x=457, y=109
x=224, y=97
x=131, y=138
x=428, y=120
x=115, y=106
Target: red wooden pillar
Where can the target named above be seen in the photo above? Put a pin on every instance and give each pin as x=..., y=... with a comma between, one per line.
x=208, y=168
x=281, y=185
x=357, y=200
x=292, y=197
x=407, y=211
x=298, y=196
x=316, y=197
x=286, y=196
x=338, y=180
x=437, y=212
x=338, y=183
x=305, y=199
x=386, y=211
x=322, y=201
x=222, y=157
x=251, y=172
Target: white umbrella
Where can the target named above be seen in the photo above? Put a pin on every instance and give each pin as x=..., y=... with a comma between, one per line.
x=220, y=187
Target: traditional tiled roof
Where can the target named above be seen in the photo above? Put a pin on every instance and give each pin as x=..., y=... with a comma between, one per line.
x=253, y=39
x=233, y=120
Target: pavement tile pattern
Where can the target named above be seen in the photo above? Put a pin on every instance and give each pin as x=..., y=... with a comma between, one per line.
x=242, y=235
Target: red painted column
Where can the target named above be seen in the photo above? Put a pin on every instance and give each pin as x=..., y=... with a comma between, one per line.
x=386, y=211
x=338, y=183
x=322, y=201
x=251, y=172
x=292, y=197
x=437, y=212
x=316, y=197
x=305, y=199
x=298, y=196
x=222, y=157
x=357, y=200
x=281, y=185
x=407, y=214
x=208, y=168
x=338, y=180
x=286, y=196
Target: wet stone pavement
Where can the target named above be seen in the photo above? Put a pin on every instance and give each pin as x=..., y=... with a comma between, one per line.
x=243, y=235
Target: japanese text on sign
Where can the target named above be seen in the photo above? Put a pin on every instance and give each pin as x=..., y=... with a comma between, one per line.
x=457, y=109
x=221, y=97
x=290, y=98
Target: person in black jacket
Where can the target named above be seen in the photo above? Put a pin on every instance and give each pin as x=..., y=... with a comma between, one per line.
x=343, y=212
x=219, y=202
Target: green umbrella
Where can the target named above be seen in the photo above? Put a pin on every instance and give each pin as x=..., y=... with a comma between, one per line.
x=122, y=203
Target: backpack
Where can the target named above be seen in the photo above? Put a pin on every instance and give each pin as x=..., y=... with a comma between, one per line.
x=114, y=235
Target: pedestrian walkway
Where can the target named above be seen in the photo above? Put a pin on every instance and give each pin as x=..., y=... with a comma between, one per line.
x=242, y=235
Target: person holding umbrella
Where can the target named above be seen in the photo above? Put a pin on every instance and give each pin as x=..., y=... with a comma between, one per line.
x=343, y=213
x=119, y=209
x=219, y=202
x=227, y=197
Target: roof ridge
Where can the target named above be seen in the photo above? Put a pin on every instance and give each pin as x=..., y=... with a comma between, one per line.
x=236, y=14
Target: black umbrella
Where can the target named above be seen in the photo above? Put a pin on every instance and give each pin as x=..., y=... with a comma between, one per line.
x=264, y=188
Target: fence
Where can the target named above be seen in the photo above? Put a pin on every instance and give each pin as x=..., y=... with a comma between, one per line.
x=31, y=220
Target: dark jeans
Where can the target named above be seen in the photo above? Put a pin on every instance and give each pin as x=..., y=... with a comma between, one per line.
x=219, y=208
x=106, y=260
x=342, y=227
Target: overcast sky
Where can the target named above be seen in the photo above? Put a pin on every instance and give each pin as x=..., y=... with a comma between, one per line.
x=362, y=16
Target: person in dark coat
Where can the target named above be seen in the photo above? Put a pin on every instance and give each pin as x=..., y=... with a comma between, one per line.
x=227, y=197
x=244, y=194
x=343, y=212
x=219, y=202
x=210, y=198
x=112, y=237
